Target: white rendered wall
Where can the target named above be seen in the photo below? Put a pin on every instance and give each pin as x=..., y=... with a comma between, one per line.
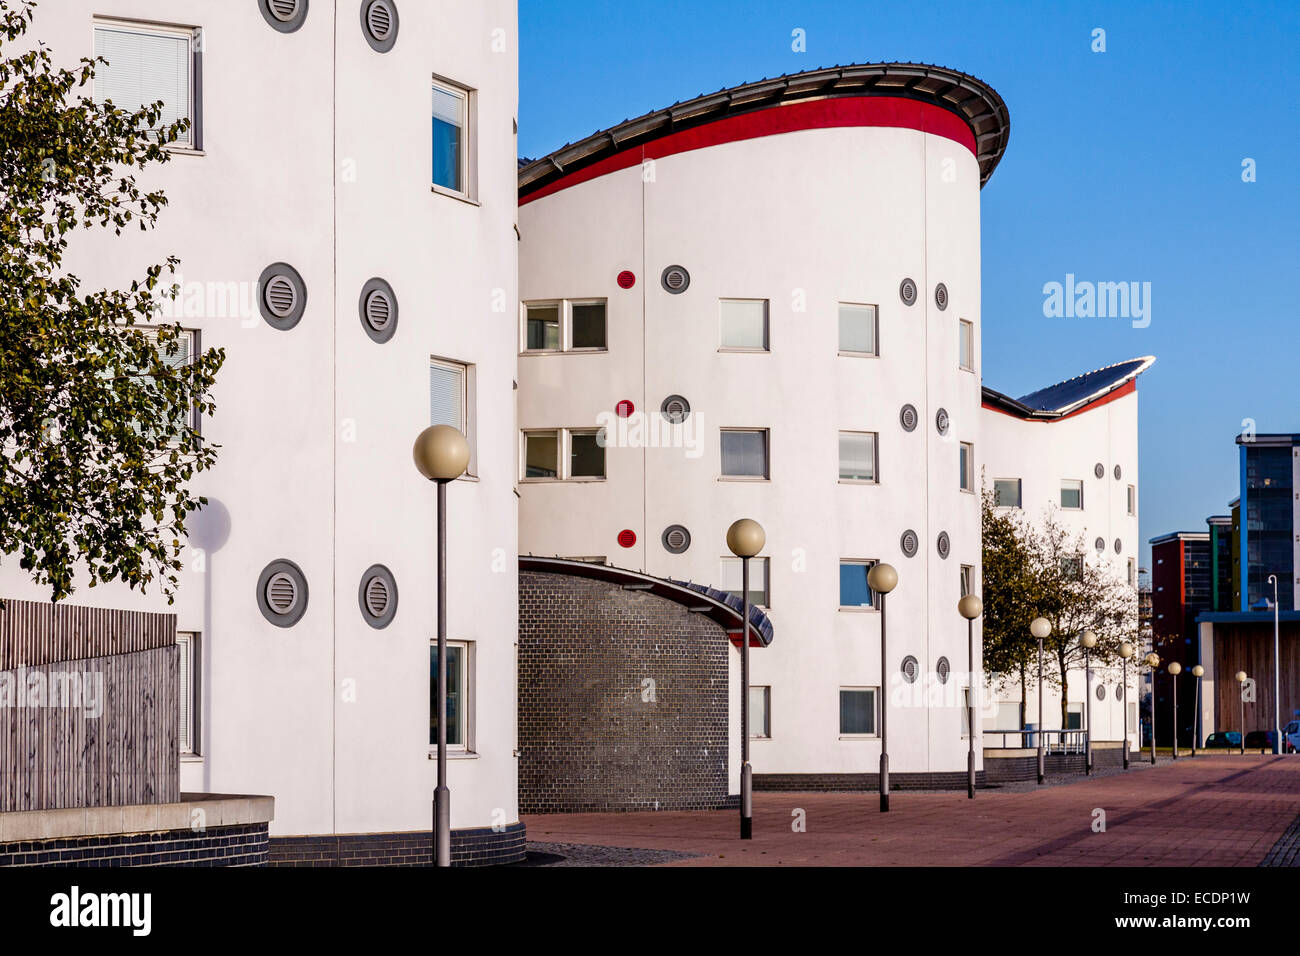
x=317, y=154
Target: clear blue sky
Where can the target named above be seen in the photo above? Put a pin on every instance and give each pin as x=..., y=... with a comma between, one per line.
x=1123, y=165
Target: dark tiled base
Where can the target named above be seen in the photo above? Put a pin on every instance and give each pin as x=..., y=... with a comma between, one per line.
x=216, y=846
x=861, y=782
x=1286, y=851
x=481, y=846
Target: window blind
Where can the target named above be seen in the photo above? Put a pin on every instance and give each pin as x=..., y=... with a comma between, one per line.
x=144, y=67
x=447, y=396
x=186, y=694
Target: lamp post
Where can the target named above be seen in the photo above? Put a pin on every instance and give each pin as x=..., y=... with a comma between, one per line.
x=1040, y=627
x=882, y=578
x=1277, y=673
x=970, y=607
x=1198, y=672
x=745, y=538
x=1152, y=661
x=1088, y=641
x=441, y=454
x=1175, y=669
x=1241, y=683
x=1125, y=652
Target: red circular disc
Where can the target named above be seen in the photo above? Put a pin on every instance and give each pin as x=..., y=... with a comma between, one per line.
x=624, y=408
x=627, y=538
x=626, y=279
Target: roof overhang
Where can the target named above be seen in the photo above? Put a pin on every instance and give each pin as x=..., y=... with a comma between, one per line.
x=1073, y=396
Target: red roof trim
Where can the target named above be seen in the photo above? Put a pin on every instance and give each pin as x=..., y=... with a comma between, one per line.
x=886, y=111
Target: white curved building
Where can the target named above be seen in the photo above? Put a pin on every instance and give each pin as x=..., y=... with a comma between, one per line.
x=798, y=262
x=311, y=149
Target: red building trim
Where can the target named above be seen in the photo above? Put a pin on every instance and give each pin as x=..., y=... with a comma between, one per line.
x=1127, y=388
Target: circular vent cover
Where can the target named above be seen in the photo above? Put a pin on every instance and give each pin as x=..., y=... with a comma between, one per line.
x=282, y=593
x=907, y=292
x=943, y=545
x=624, y=408
x=377, y=596
x=675, y=409
x=1100, y=544
x=1101, y=691
x=941, y=421
x=282, y=296
x=676, y=539
x=908, y=418
x=911, y=669
x=909, y=543
x=675, y=279
x=1119, y=691
x=943, y=669
x=285, y=16
x=626, y=279
x=941, y=296
x=1118, y=473
x=626, y=538
x=379, y=24
x=1099, y=470
x=378, y=308
x=1119, y=546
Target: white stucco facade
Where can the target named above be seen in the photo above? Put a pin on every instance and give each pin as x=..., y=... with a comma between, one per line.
x=315, y=152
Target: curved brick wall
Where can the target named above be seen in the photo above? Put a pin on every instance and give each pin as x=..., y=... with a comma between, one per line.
x=588, y=739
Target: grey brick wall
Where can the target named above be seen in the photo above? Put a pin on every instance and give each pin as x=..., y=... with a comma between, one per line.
x=480, y=846
x=216, y=846
x=588, y=739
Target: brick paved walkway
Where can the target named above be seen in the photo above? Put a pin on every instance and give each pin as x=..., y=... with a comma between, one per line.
x=1223, y=810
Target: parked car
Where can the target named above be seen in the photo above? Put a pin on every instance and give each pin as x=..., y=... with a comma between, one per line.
x=1223, y=739
x=1291, y=737
x=1261, y=740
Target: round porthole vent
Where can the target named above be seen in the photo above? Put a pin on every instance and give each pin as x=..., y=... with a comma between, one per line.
x=1119, y=692
x=675, y=279
x=941, y=421
x=909, y=543
x=1118, y=474
x=1099, y=470
x=907, y=292
x=626, y=538
x=675, y=409
x=377, y=596
x=1101, y=691
x=908, y=418
x=379, y=24
x=282, y=593
x=284, y=15
x=942, y=544
x=943, y=669
x=911, y=669
x=941, y=296
x=676, y=539
x=282, y=296
x=1119, y=546
x=626, y=279
x=378, y=308
x=1100, y=544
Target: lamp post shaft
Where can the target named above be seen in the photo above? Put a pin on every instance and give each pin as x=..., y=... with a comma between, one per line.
x=441, y=795
x=1196, y=718
x=746, y=774
x=1123, y=709
x=884, y=715
x=1041, y=759
x=1173, y=688
x=1153, y=716
x=1087, y=711
x=970, y=708
x=1242, y=689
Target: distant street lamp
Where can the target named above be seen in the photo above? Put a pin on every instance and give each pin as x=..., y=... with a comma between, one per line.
x=441, y=454
x=1152, y=661
x=1198, y=672
x=1277, y=673
x=970, y=607
x=1088, y=641
x=1040, y=627
x=745, y=538
x=1241, y=683
x=1125, y=652
x=1175, y=669
x=882, y=578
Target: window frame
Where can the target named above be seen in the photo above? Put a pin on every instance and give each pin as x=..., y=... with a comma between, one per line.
x=1020, y=493
x=194, y=38
x=767, y=454
x=868, y=563
x=966, y=481
x=875, y=330
x=1077, y=560
x=1132, y=500
x=564, y=449
x=766, y=563
x=966, y=358
x=468, y=152
x=967, y=580
x=525, y=434
x=1061, y=496
x=195, y=642
x=875, y=710
x=468, y=417
x=766, y=731
x=558, y=305
x=875, y=459
x=767, y=327
x=568, y=455
x=467, y=664
x=565, y=318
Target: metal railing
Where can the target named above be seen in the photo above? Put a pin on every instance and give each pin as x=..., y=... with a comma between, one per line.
x=1054, y=741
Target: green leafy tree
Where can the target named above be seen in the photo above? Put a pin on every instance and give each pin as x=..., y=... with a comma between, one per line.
x=1009, y=594
x=97, y=399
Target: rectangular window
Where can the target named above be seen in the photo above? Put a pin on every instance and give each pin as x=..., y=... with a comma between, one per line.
x=1006, y=492
x=586, y=454
x=451, y=401
x=966, y=344
x=457, y=695
x=854, y=590
x=966, y=462
x=1072, y=568
x=542, y=320
x=186, y=347
x=1072, y=494
x=744, y=453
x=858, y=711
x=542, y=454
x=744, y=324
x=857, y=456
x=564, y=326
x=147, y=64
x=1132, y=572
x=189, y=693
x=731, y=577
x=587, y=325
x=450, y=138
x=1132, y=499
x=858, y=327
x=760, y=714
x=1074, y=717
x=967, y=580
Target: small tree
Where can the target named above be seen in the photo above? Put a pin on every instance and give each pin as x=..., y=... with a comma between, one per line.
x=96, y=412
x=1009, y=594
